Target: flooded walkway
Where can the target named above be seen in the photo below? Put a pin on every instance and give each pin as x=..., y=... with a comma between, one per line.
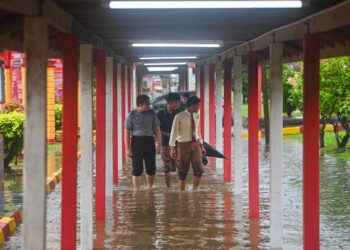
x=212, y=218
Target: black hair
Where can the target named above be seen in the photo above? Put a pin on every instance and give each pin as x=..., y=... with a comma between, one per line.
x=192, y=100
x=186, y=95
x=172, y=97
x=141, y=99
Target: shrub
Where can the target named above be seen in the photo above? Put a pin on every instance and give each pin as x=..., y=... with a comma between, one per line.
x=11, y=128
x=58, y=116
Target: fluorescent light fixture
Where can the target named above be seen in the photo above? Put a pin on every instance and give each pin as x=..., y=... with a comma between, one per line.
x=164, y=64
x=167, y=57
x=161, y=68
x=176, y=45
x=203, y=4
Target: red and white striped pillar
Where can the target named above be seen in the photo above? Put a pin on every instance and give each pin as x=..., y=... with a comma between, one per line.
x=69, y=141
x=123, y=83
x=201, y=90
x=253, y=131
x=212, y=125
x=115, y=123
x=311, y=153
x=227, y=119
x=129, y=89
x=100, y=134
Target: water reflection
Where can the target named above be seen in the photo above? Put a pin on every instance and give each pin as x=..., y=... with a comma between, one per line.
x=212, y=218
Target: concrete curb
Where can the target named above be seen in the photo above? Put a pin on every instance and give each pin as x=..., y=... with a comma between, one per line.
x=294, y=130
x=8, y=225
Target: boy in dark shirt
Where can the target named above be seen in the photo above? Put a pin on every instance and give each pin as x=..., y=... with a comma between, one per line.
x=166, y=118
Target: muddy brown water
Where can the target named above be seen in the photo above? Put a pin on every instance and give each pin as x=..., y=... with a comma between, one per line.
x=213, y=218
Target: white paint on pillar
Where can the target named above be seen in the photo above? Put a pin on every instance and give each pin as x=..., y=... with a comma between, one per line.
x=119, y=115
x=134, y=88
x=126, y=82
x=191, y=85
x=237, y=134
x=206, y=103
x=219, y=116
x=86, y=148
x=109, y=126
x=198, y=80
x=35, y=162
x=276, y=146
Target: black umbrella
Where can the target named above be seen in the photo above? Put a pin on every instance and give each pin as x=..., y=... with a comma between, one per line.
x=212, y=152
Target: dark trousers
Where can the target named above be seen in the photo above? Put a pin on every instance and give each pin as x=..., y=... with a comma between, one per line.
x=143, y=150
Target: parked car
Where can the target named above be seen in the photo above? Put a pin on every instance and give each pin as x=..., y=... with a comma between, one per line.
x=159, y=102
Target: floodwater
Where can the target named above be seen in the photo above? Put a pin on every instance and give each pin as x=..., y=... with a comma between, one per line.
x=213, y=218
x=13, y=183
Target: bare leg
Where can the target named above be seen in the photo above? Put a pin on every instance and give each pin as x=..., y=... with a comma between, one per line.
x=167, y=180
x=137, y=182
x=150, y=179
x=182, y=185
x=196, y=181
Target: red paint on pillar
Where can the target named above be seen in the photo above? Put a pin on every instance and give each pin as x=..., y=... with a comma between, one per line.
x=100, y=134
x=227, y=119
x=212, y=127
x=70, y=55
x=123, y=82
x=253, y=131
x=201, y=83
x=311, y=155
x=259, y=89
x=115, y=124
x=129, y=89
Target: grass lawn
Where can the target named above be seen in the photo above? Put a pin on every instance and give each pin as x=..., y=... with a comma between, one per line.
x=330, y=145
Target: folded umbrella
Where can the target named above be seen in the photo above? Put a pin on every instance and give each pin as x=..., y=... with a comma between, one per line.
x=212, y=152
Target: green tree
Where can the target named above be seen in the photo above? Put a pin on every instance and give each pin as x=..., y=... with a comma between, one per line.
x=334, y=97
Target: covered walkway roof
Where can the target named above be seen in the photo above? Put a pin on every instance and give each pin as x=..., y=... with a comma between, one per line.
x=243, y=29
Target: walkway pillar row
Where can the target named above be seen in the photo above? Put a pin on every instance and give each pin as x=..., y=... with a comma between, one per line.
x=311, y=154
x=109, y=126
x=35, y=163
x=198, y=76
x=253, y=131
x=69, y=141
x=124, y=93
x=238, y=141
x=100, y=134
x=227, y=119
x=189, y=78
x=116, y=135
x=129, y=88
x=206, y=104
x=219, y=115
x=134, y=86
x=211, y=116
x=119, y=115
x=201, y=96
x=86, y=147
x=276, y=146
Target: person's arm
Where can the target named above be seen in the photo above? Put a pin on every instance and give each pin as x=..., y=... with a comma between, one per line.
x=200, y=139
x=159, y=139
x=173, y=136
x=127, y=137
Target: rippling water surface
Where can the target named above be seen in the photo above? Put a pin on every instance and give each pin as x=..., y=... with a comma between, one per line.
x=213, y=218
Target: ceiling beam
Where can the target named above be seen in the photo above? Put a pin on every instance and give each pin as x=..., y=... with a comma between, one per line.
x=57, y=17
x=21, y=7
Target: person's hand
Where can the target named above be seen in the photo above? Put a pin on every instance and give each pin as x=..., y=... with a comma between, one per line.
x=128, y=153
x=159, y=148
x=173, y=152
x=203, y=151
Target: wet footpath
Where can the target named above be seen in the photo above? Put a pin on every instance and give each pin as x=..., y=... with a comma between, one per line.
x=212, y=217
